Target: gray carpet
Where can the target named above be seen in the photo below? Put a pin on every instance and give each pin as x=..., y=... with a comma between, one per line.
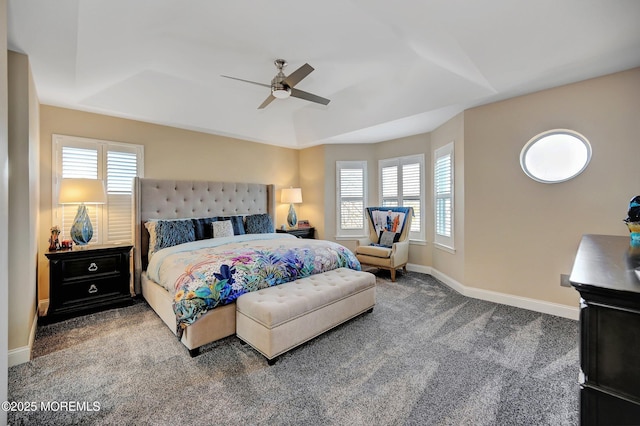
x=425, y=356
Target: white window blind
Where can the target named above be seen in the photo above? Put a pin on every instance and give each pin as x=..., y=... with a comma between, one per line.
x=79, y=163
x=351, y=197
x=401, y=184
x=443, y=194
x=115, y=163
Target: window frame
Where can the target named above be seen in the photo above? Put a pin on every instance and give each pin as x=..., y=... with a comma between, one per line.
x=445, y=242
x=418, y=236
x=351, y=233
x=102, y=147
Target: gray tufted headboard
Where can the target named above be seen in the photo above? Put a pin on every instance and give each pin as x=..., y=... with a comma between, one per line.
x=173, y=199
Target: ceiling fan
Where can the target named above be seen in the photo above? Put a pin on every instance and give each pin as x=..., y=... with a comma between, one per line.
x=282, y=86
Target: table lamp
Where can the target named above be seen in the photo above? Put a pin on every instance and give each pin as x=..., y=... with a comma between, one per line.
x=81, y=191
x=291, y=196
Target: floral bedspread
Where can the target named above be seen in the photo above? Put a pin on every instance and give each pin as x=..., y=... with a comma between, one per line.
x=208, y=273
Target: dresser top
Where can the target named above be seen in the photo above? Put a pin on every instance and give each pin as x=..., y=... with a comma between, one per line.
x=606, y=262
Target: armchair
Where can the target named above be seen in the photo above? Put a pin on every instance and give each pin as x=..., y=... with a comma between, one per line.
x=374, y=252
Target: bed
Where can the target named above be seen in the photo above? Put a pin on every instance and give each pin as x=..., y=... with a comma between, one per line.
x=200, y=320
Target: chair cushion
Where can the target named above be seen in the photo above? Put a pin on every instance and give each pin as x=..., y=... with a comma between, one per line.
x=375, y=251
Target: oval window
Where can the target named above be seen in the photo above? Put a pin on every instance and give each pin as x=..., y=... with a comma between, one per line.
x=555, y=156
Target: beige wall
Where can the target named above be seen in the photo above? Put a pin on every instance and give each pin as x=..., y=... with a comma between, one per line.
x=4, y=210
x=23, y=202
x=168, y=153
x=347, y=152
x=451, y=264
x=419, y=253
x=312, y=183
x=520, y=235
x=512, y=235
x=318, y=175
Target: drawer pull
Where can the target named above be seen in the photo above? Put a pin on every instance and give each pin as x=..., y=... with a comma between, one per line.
x=93, y=288
x=93, y=267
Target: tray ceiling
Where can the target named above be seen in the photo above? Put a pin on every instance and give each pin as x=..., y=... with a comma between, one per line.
x=389, y=71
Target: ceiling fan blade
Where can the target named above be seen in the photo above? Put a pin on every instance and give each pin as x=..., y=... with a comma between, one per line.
x=309, y=96
x=267, y=101
x=296, y=76
x=247, y=81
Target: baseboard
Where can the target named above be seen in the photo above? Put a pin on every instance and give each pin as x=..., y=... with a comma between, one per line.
x=43, y=307
x=502, y=298
x=22, y=354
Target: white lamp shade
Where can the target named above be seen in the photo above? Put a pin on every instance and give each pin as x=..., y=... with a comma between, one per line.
x=78, y=191
x=291, y=195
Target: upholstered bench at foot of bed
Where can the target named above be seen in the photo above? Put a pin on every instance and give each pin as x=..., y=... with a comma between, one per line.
x=277, y=319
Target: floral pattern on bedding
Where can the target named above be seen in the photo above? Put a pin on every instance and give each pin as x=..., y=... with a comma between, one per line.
x=215, y=276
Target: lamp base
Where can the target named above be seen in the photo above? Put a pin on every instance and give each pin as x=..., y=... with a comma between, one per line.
x=82, y=230
x=292, y=219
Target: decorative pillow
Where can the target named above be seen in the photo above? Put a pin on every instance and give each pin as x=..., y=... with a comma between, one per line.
x=387, y=238
x=259, y=224
x=222, y=228
x=168, y=233
x=203, y=228
x=237, y=222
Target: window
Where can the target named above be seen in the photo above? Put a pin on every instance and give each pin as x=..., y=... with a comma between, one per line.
x=401, y=185
x=555, y=156
x=351, y=190
x=115, y=163
x=443, y=194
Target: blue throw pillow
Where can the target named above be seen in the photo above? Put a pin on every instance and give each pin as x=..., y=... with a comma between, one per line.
x=259, y=224
x=168, y=233
x=202, y=227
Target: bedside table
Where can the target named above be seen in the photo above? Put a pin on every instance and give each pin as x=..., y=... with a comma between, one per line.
x=87, y=279
x=299, y=232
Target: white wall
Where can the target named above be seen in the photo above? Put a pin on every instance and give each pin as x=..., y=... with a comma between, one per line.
x=24, y=197
x=4, y=207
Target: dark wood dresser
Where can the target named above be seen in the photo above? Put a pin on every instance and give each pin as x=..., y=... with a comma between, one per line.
x=603, y=273
x=87, y=279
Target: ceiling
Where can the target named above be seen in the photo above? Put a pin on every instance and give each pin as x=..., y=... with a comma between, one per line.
x=390, y=71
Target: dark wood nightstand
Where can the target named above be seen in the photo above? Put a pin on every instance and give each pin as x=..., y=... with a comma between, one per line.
x=309, y=233
x=87, y=279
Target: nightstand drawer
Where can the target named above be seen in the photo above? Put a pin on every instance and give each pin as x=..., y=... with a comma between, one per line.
x=98, y=265
x=97, y=288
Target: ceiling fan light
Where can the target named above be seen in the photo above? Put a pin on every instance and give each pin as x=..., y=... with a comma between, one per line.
x=281, y=93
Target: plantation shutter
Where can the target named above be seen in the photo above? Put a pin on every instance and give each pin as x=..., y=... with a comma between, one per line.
x=113, y=162
x=443, y=189
x=79, y=162
x=351, y=198
x=401, y=185
x=121, y=169
x=412, y=192
x=389, y=186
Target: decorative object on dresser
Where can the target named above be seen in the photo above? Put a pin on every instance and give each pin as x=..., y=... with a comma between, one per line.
x=54, y=242
x=88, y=279
x=82, y=191
x=633, y=220
x=603, y=273
x=291, y=196
x=299, y=232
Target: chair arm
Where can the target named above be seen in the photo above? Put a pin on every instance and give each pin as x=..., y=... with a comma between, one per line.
x=400, y=252
x=363, y=242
